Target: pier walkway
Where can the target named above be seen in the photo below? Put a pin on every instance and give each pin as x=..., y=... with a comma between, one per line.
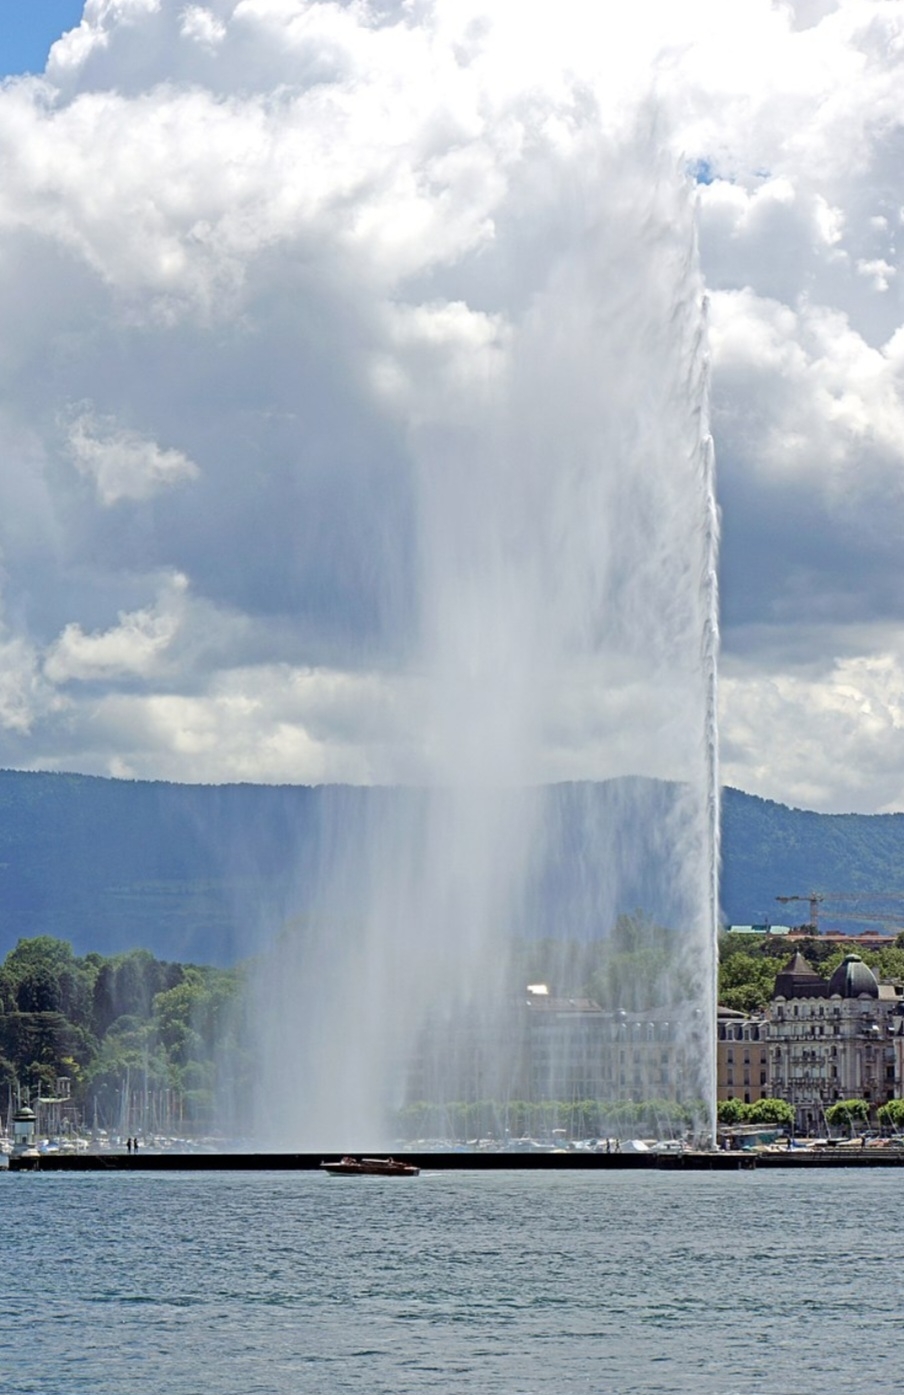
x=145, y=1160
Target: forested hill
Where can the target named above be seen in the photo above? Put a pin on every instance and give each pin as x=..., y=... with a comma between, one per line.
x=769, y=850
x=208, y=873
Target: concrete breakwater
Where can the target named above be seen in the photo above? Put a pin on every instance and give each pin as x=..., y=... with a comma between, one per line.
x=146, y=1161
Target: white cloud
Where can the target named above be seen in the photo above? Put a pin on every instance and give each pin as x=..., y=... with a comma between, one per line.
x=122, y=464
x=779, y=720
x=281, y=245
x=824, y=405
x=135, y=646
x=272, y=724
x=202, y=25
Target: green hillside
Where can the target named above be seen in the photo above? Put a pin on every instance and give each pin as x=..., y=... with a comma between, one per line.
x=207, y=873
x=769, y=850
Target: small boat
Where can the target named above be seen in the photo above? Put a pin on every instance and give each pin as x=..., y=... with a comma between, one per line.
x=370, y=1167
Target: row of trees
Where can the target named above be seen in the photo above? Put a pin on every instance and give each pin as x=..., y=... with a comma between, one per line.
x=851, y=1116
x=543, y=1118
x=766, y=1111
x=143, y=1043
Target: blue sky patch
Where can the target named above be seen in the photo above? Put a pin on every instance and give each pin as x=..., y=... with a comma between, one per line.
x=701, y=171
x=28, y=28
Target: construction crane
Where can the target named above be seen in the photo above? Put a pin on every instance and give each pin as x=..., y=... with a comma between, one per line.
x=888, y=919
x=814, y=899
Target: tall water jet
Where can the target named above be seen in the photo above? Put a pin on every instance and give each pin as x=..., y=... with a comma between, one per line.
x=550, y=392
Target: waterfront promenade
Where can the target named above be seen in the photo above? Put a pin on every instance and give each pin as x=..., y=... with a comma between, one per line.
x=482, y=1161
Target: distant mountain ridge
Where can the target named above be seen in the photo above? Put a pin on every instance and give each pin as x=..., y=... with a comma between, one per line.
x=207, y=873
x=770, y=850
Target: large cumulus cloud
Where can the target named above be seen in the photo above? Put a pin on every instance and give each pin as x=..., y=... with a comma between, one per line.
x=243, y=245
x=801, y=233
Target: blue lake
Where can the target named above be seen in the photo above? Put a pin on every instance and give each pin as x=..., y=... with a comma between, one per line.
x=621, y=1283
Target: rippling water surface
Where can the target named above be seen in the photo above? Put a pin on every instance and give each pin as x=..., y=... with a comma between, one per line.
x=505, y=1284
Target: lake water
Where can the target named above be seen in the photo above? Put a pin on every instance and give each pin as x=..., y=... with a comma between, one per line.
x=496, y=1284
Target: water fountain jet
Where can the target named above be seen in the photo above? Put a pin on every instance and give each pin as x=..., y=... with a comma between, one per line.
x=558, y=454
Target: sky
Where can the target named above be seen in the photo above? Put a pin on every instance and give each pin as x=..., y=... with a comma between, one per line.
x=28, y=31
x=235, y=237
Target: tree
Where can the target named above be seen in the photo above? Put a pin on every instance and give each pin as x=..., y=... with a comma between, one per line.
x=638, y=967
x=38, y=991
x=45, y=976
x=772, y=1111
x=891, y=1115
x=850, y=1114
x=41, y=952
x=888, y=963
x=42, y=1045
x=7, y=1075
x=746, y=981
x=731, y=1111
x=8, y=989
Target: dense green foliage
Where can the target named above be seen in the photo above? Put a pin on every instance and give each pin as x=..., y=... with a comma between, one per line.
x=746, y=977
x=543, y=1119
x=637, y=967
x=765, y=1111
x=891, y=1115
x=850, y=1114
x=141, y=1043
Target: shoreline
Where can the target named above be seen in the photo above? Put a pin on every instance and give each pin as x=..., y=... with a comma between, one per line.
x=461, y=1162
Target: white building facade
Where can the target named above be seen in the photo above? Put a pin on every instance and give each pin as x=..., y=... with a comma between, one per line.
x=835, y=1040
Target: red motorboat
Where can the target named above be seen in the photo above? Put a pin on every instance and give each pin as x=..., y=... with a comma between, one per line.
x=370, y=1167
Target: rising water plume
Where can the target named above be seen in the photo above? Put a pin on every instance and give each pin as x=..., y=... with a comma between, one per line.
x=558, y=456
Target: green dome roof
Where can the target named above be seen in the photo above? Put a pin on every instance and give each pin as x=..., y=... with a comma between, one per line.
x=852, y=979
